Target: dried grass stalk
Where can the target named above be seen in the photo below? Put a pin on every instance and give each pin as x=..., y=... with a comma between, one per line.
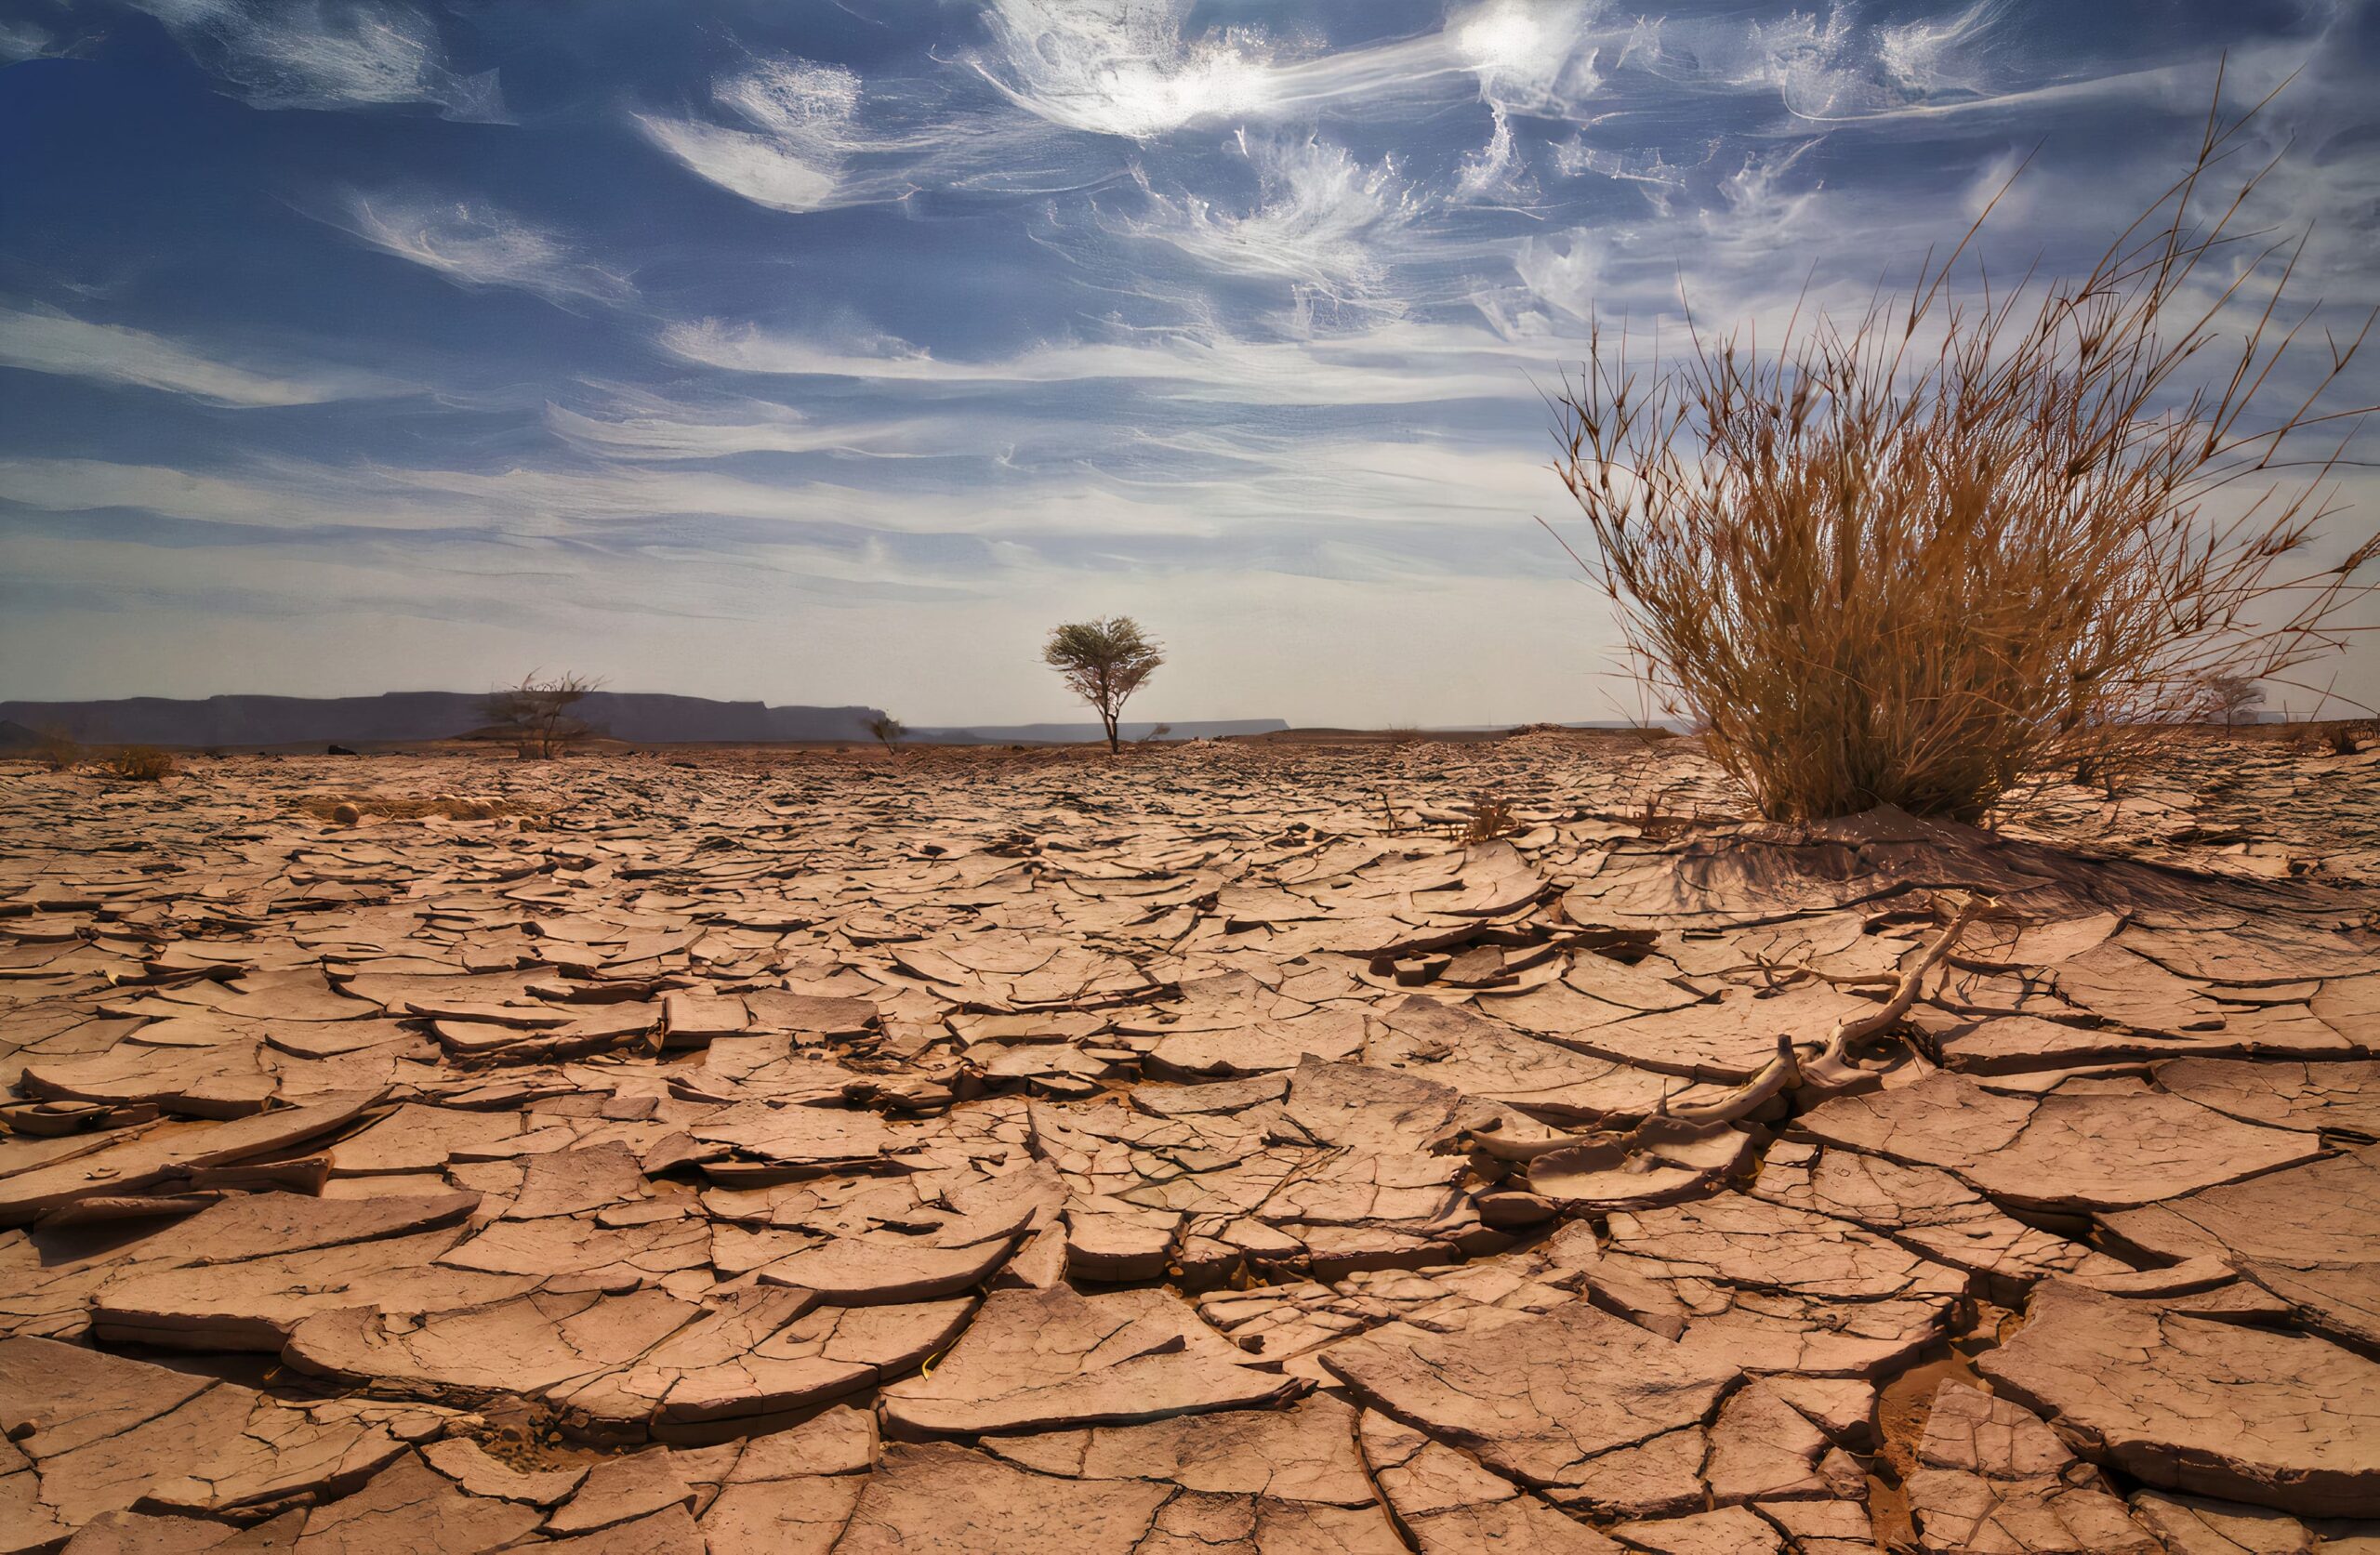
x=1914, y=560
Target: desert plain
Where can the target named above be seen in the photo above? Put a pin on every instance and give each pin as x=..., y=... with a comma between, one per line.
x=1264, y=1146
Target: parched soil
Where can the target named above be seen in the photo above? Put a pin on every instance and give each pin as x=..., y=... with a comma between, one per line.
x=1245, y=1146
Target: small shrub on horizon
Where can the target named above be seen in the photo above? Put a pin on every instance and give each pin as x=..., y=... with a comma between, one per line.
x=57, y=753
x=2232, y=699
x=536, y=714
x=1924, y=557
x=137, y=764
x=2345, y=737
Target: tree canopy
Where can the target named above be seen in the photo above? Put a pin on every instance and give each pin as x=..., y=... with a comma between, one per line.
x=1104, y=661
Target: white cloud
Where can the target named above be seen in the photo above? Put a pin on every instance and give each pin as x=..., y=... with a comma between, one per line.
x=1122, y=67
x=1529, y=55
x=1762, y=217
x=1929, y=55
x=744, y=164
x=1562, y=270
x=1574, y=157
x=802, y=128
x=646, y=427
x=1320, y=218
x=1392, y=364
x=327, y=54
x=43, y=341
x=1250, y=487
x=1125, y=68
x=474, y=244
x=24, y=39
x=1492, y=172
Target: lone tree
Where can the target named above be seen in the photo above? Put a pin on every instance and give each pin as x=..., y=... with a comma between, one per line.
x=2232, y=698
x=887, y=728
x=1921, y=554
x=536, y=714
x=1104, y=661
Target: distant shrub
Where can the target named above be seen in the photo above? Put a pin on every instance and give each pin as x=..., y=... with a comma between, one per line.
x=137, y=764
x=2231, y=699
x=2345, y=737
x=1913, y=558
x=538, y=714
x=58, y=753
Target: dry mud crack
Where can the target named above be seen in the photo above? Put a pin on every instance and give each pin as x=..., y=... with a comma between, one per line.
x=1207, y=1152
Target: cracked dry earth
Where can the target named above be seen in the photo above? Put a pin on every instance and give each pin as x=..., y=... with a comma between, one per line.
x=1206, y=1152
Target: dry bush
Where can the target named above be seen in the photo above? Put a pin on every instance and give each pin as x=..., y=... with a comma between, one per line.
x=2231, y=699
x=536, y=714
x=57, y=753
x=137, y=764
x=2337, y=737
x=1913, y=558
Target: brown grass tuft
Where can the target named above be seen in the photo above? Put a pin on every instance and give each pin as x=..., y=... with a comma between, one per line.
x=1490, y=818
x=57, y=753
x=137, y=764
x=1914, y=559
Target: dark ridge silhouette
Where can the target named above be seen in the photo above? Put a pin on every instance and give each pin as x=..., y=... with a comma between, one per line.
x=653, y=718
x=641, y=718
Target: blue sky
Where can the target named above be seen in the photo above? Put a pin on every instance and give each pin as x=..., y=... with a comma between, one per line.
x=829, y=353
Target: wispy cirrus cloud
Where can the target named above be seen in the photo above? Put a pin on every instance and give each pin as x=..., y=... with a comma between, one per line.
x=1123, y=67
x=1320, y=217
x=647, y=427
x=1130, y=68
x=43, y=340
x=798, y=136
x=327, y=54
x=473, y=242
x=795, y=130
x=1405, y=498
x=20, y=39
x=1392, y=362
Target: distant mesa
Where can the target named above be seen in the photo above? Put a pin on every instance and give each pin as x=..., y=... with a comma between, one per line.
x=644, y=717
x=639, y=718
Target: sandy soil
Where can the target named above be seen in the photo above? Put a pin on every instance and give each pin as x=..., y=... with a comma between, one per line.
x=1340, y=1144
